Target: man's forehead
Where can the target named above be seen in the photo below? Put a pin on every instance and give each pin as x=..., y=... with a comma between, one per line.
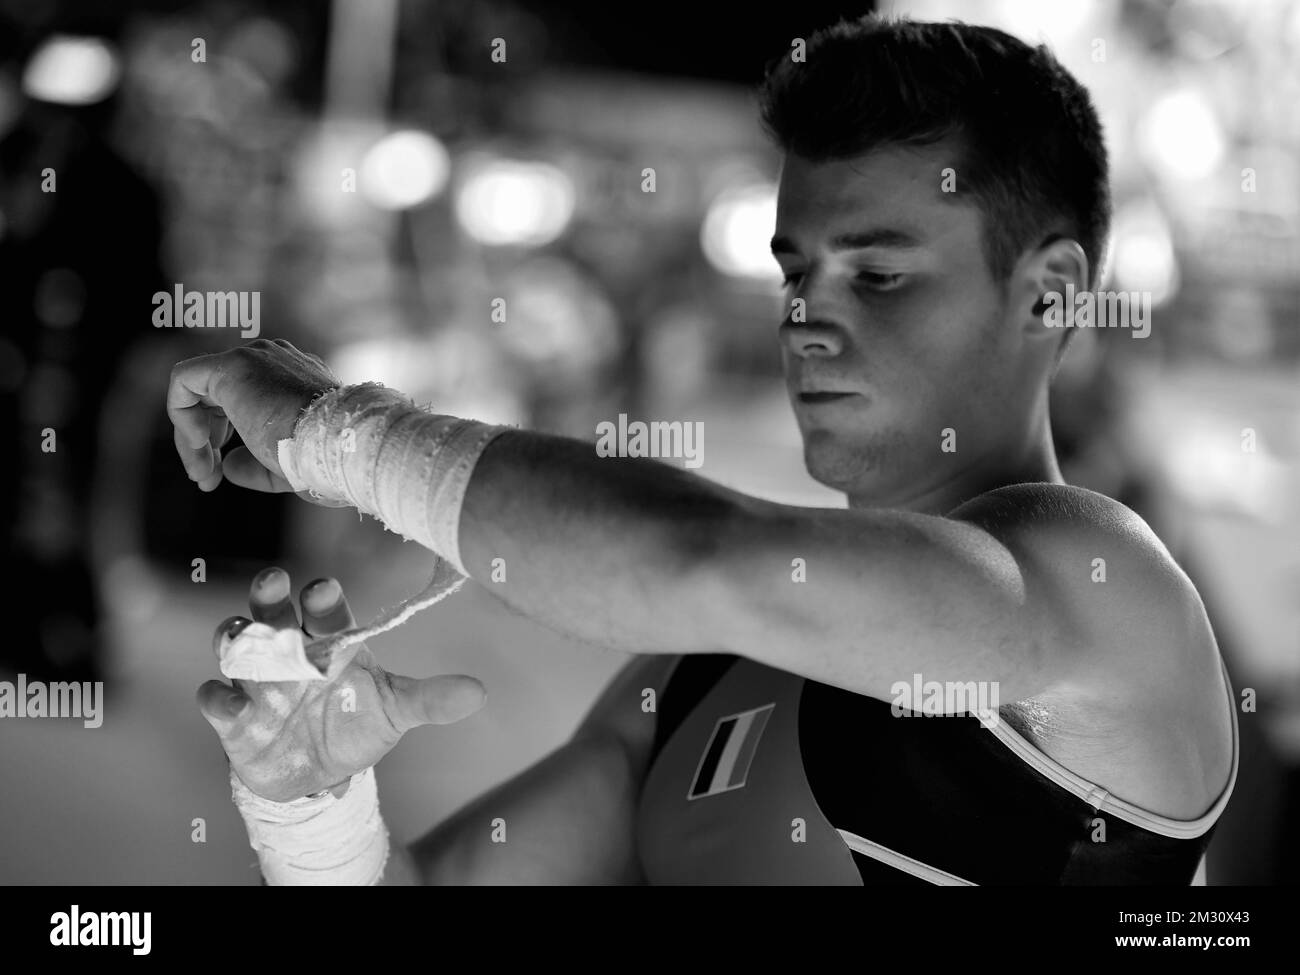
x=894, y=191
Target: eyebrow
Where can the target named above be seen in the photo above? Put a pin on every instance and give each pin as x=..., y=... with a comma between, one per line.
x=883, y=237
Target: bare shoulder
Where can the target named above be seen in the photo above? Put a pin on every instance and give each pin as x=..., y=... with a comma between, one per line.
x=1108, y=578
x=1140, y=702
x=1062, y=520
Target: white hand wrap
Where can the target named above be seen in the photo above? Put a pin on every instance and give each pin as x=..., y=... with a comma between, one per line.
x=369, y=446
x=320, y=841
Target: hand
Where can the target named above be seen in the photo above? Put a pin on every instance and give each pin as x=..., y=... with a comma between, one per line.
x=289, y=739
x=257, y=390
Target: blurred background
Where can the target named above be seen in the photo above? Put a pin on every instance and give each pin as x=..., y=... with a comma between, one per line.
x=381, y=178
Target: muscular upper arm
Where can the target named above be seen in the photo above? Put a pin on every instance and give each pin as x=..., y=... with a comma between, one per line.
x=1001, y=590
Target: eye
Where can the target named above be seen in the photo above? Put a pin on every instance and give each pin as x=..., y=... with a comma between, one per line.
x=879, y=281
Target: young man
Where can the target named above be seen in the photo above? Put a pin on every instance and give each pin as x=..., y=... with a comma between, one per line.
x=940, y=182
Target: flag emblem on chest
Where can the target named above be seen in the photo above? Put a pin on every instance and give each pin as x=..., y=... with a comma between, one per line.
x=730, y=752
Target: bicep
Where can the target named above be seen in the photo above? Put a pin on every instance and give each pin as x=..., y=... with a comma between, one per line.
x=1023, y=587
x=863, y=599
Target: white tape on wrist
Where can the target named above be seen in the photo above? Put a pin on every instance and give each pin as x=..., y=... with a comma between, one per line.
x=321, y=841
x=369, y=446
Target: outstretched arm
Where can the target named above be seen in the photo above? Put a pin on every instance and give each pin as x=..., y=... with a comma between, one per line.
x=637, y=555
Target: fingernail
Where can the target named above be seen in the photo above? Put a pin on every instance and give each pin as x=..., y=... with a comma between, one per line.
x=272, y=584
x=326, y=592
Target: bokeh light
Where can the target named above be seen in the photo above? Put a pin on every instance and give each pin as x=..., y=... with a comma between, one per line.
x=69, y=70
x=1180, y=135
x=511, y=202
x=403, y=170
x=737, y=231
x=1143, y=256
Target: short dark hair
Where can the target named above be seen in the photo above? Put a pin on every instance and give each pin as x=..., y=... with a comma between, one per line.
x=1032, y=152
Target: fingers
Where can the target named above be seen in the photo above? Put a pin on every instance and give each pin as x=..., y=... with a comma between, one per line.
x=229, y=627
x=325, y=609
x=201, y=427
x=434, y=700
x=269, y=599
x=244, y=470
x=189, y=406
x=222, y=705
x=221, y=430
x=209, y=484
x=200, y=463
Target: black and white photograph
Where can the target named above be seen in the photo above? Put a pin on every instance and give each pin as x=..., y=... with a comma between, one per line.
x=559, y=443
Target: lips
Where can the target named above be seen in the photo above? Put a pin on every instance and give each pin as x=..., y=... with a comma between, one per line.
x=823, y=396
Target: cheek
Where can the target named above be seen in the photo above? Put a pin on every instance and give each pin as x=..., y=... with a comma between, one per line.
x=938, y=363
x=911, y=343
x=954, y=336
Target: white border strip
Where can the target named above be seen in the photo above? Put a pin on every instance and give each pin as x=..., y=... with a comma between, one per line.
x=898, y=861
x=1102, y=801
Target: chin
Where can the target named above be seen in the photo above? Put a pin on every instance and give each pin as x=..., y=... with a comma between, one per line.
x=862, y=466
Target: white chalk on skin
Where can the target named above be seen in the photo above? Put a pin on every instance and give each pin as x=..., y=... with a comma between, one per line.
x=263, y=653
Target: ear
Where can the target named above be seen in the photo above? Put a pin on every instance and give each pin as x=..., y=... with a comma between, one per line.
x=1047, y=281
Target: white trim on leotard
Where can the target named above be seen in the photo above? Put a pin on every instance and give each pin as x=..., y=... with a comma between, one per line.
x=899, y=861
x=1102, y=801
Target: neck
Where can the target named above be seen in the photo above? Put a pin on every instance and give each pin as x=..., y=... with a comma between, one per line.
x=1033, y=459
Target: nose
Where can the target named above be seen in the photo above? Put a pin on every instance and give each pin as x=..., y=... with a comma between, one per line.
x=816, y=338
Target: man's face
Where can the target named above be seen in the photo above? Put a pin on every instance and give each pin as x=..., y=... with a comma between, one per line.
x=905, y=332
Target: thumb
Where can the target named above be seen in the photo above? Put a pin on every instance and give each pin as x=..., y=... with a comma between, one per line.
x=222, y=705
x=245, y=470
x=434, y=700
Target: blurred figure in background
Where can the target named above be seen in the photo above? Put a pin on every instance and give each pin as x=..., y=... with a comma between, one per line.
x=79, y=237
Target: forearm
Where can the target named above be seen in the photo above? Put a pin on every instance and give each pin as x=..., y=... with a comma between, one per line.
x=607, y=550
x=568, y=819
x=603, y=549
